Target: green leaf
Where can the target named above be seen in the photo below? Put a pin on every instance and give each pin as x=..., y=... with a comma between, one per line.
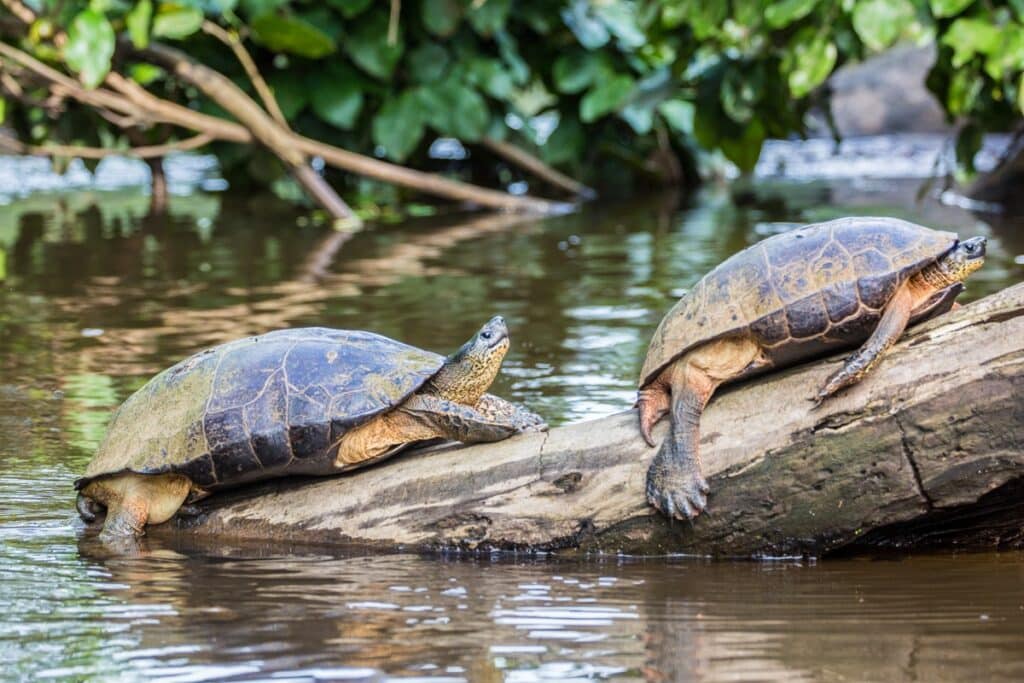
x=469, y=113
x=964, y=88
x=968, y=142
x=176, y=21
x=740, y=93
x=3, y=109
x=784, y=13
x=588, y=28
x=338, y=101
x=705, y=18
x=489, y=17
x=428, y=62
x=648, y=94
x=89, y=47
x=574, y=71
x=398, y=126
x=350, y=8
x=144, y=74
x=809, y=62
x=969, y=37
x=566, y=143
x=605, y=97
x=3, y=265
x=879, y=23
x=948, y=8
x=745, y=150
x=491, y=76
x=620, y=18
x=369, y=49
x=441, y=17
x=291, y=93
x=1008, y=58
x=509, y=51
x=254, y=8
x=137, y=22
x=288, y=33
x=454, y=109
x=679, y=115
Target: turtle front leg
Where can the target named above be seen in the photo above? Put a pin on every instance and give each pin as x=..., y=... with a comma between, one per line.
x=498, y=409
x=456, y=421
x=891, y=326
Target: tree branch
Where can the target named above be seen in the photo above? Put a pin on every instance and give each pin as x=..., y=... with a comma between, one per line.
x=245, y=59
x=532, y=164
x=142, y=152
x=128, y=99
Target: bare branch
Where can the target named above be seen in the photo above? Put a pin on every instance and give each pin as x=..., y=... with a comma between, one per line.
x=142, y=152
x=245, y=59
x=20, y=10
x=532, y=164
x=396, y=11
x=127, y=99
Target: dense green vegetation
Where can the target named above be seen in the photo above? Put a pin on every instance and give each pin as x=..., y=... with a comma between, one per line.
x=601, y=89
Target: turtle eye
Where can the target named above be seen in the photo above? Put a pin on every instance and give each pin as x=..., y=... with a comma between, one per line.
x=485, y=335
x=969, y=247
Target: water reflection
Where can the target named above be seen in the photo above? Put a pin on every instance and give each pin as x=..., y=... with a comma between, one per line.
x=99, y=295
x=230, y=611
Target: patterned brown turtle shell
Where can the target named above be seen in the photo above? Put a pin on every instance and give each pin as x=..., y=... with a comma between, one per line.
x=260, y=407
x=801, y=293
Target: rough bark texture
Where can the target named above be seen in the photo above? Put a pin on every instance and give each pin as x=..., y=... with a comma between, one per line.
x=928, y=450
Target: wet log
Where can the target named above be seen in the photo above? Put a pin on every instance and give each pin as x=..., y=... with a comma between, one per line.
x=928, y=450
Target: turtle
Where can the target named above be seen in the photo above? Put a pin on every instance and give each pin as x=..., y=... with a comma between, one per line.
x=309, y=401
x=847, y=283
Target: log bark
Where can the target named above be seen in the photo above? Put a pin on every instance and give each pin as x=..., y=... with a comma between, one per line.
x=928, y=450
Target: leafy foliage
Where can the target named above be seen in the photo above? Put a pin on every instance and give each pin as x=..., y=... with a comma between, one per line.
x=594, y=86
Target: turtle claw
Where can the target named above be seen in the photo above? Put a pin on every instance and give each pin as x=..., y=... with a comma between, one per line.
x=676, y=490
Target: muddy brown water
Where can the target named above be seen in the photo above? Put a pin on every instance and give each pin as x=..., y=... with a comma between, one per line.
x=97, y=297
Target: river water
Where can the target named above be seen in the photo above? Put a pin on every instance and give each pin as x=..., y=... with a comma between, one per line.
x=98, y=297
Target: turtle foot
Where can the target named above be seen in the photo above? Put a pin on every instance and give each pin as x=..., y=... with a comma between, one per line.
x=516, y=416
x=676, y=489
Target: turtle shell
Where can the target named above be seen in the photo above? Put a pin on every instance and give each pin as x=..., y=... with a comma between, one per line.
x=260, y=407
x=802, y=292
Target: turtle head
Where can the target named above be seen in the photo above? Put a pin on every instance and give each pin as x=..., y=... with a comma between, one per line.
x=469, y=372
x=963, y=259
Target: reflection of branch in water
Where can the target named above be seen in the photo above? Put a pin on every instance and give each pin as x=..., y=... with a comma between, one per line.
x=317, y=264
x=136, y=350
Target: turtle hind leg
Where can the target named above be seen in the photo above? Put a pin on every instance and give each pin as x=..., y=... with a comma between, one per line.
x=653, y=403
x=126, y=519
x=890, y=327
x=88, y=509
x=135, y=500
x=675, y=479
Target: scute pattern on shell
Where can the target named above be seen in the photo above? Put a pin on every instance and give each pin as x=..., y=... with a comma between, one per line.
x=262, y=406
x=813, y=282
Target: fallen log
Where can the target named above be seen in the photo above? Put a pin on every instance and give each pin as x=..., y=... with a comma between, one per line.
x=928, y=450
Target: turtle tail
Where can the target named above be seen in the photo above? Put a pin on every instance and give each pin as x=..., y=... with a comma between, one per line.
x=87, y=508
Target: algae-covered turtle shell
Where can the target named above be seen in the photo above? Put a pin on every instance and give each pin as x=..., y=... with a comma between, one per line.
x=261, y=406
x=822, y=285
